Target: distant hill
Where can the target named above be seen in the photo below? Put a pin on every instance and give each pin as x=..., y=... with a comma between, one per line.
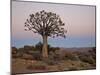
x=83, y=49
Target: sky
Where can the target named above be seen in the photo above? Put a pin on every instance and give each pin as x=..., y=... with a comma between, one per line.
x=79, y=22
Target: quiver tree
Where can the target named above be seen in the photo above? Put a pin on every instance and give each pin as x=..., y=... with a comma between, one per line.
x=47, y=24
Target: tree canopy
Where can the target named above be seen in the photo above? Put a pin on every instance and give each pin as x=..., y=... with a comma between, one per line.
x=45, y=24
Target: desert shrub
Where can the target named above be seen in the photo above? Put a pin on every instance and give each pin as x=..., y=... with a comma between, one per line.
x=70, y=56
x=17, y=52
x=28, y=49
x=86, y=58
x=37, y=55
x=53, y=49
x=38, y=66
x=20, y=52
x=54, y=55
x=27, y=56
x=36, y=51
x=31, y=52
x=51, y=55
x=84, y=65
x=50, y=61
x=14, y=50
x=38, y=47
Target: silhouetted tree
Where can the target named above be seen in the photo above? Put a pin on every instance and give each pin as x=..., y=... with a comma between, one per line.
x=47, y=24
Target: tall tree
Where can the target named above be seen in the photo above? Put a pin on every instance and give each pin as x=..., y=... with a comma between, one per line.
x=47, y=24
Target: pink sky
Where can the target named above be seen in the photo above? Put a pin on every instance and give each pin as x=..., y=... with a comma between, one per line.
x=79, y=20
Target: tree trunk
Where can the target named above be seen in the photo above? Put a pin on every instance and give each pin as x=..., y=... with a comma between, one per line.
x=44, y=48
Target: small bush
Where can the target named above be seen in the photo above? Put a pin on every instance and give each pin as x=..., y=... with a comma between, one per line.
x=84, y=65
x=53, y=49
x=27, y=56
x=69, y=56
x=37, y=55
x=20, y=52
x=89, y=56
x=87, y=59
x=54, y=55
x=38, y=47
x=14, y=50
x=51, y=61
x=37, y=66
x=28, y=49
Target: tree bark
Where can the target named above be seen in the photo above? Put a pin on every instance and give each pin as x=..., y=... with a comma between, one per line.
x=45, y=49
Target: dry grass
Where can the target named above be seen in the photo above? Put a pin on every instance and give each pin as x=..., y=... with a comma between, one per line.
x=69, y=61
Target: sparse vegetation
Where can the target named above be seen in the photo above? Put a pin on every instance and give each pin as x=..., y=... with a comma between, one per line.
x=89, y=57
x=51, y=61
x=29, y=59
x=37, y=66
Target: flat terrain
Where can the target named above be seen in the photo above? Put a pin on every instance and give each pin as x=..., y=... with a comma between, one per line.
x=69, y=59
